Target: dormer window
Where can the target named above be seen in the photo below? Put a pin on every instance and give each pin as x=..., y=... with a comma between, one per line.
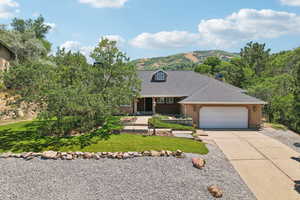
x=160, y=76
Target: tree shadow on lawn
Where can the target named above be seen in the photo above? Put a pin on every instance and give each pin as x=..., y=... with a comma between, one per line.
x=31, y=140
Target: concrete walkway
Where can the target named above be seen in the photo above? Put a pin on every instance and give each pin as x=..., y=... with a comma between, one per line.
x=141, y=120
x=267, y=166
x=139, y=125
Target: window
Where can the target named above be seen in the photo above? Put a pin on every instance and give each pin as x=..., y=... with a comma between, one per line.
x=160, y=76
x=160, y=100
x=169, y=100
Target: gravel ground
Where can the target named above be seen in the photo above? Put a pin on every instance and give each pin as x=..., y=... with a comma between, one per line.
x=288, y=137
x=134, y=179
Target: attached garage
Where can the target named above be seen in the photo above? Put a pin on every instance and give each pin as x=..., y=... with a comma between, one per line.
x=223, y=117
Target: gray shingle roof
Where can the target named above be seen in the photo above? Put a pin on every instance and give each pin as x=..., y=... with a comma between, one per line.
x=196, y=87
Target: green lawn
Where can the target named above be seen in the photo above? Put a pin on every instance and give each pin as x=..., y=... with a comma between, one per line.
x=23, y=137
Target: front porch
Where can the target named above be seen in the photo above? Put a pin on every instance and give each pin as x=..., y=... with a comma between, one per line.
x=157, y=105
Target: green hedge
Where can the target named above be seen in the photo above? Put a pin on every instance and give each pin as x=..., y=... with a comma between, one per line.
x=157, y=123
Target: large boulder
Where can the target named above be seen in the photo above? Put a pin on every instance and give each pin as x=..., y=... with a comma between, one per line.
x=215, y=191
x=198, y=162
x=49, y=155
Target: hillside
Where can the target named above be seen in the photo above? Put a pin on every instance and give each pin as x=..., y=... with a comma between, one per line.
x=181, y=61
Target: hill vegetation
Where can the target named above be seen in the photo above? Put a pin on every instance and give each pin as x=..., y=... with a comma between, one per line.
x=184, y=61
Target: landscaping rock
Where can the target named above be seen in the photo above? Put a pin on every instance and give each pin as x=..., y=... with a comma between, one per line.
x=155, y=153
x=162, y=153
x=215, y=191
x=114, y=155
x=198, y=163
x=168, y=153
x=29, y=157
x=6, y=155
x=137, y=154
x=49, y=155
x=119, y=155
x=97, y=156
x=178, y=154
x=69, y=157
x=87, y=155
x=110, y=154
x=146, y=153
x=26, y=155
x=17, y=155
x=35, y=154
x=126, y=155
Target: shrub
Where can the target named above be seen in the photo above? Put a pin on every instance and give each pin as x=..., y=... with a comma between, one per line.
x=156, y=122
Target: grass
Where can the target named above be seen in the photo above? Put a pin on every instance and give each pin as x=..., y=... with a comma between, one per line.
x=23, y=137
x=157, y=123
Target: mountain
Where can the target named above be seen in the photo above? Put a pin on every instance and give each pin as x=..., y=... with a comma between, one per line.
x=183, y=61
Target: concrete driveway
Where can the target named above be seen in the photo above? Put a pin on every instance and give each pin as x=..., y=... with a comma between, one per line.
x=267, y=166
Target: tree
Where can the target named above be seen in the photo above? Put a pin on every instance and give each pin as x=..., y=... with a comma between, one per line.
x=277, y=91
x=26, y=45
x=37, y=26
x=203, y=69
x=255, y=56
x=297, y=98
x=73, y=95
x=212, y=61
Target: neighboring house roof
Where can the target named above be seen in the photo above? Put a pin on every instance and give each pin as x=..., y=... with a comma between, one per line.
x=8, y=49
x=196, y=87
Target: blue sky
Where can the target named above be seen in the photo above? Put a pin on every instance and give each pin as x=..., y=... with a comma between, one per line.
x=147, y=28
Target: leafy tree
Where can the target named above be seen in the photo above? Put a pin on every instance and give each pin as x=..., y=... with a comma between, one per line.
x=277, y=91
x=73, y=95
x=203, y=69
x=255, y=56
x=37, y=26
x=212, y=61
x=297, y=98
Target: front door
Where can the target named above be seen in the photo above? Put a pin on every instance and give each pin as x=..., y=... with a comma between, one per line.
x=148, y=106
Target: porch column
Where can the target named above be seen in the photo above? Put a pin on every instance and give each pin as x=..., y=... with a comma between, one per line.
x=154, y=105
x=135, y=106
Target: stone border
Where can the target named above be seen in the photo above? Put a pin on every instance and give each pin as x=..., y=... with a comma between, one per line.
x=54, y=155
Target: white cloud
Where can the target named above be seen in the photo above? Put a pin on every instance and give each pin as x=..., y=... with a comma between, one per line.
x=105, y=3
x=248, y=24
x=237, y=28
x=8, y=8
x=119, y=39
x=75, y=46
x=165, y=39
x=291, y=2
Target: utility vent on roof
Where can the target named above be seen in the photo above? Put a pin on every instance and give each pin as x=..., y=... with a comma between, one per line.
x=160, y=76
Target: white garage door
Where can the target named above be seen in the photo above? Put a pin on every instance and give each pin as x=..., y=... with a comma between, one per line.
x=223, y=117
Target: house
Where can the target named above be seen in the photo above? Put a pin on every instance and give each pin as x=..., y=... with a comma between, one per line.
x=6, y=56
x=209, y=102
